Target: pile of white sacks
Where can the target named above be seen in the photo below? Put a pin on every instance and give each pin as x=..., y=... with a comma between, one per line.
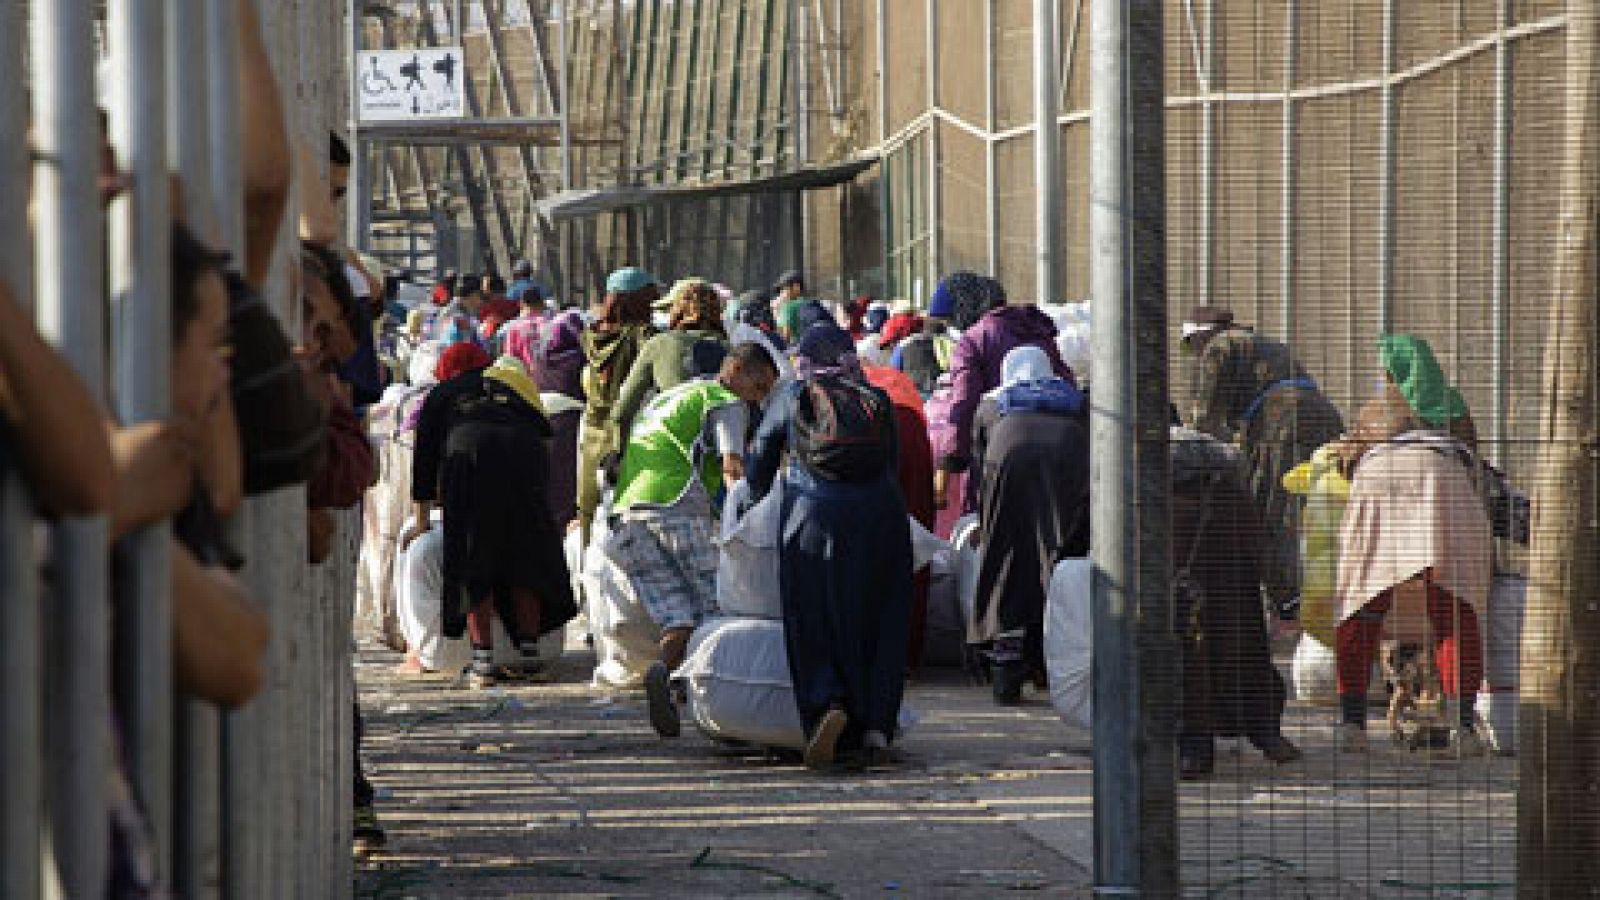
x=736, y=672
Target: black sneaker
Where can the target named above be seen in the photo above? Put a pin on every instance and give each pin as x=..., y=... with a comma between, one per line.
x=658, y=697
x=1009, y=677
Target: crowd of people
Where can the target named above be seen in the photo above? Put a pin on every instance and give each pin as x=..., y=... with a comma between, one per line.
x=865, y=420
x=483, y=430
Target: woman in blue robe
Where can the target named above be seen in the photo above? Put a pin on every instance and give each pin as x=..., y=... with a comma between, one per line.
x=845, y=570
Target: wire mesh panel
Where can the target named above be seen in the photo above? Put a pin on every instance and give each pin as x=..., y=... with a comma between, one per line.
x=1336, y=174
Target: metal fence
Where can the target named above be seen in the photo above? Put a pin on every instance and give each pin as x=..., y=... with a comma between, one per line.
x=252, y=803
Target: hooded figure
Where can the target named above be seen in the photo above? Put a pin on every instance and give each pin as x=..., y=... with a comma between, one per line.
x=481, y=454
x=1230, y=686
x=990, y=329
x=1250, y=390
x=610, y=347
x=1031, y=473
x=844, y=560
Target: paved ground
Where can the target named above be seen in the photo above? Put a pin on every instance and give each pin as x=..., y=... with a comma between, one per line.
x=560, y=791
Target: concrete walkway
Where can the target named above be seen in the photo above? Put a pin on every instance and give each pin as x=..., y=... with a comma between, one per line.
x=560, y=790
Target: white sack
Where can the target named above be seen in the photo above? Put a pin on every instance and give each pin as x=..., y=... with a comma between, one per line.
x=1069, y=641
x=1502, y=661
x=737, y=674
x=925, y=546
x=1315, y=673
x=968, y=555
x=625, y=637
x=747, y=569
x=419, y=586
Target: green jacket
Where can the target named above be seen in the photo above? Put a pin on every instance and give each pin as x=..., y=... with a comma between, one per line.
x=663, y=363
x=669, y=448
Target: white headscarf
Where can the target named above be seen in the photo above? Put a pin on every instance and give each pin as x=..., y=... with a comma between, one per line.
x=1023, y=364
x=423, y=360
x=744, y=333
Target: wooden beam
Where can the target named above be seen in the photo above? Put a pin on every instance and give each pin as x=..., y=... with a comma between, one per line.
x=1559, y=723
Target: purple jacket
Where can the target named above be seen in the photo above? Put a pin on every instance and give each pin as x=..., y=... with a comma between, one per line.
x=975, y=371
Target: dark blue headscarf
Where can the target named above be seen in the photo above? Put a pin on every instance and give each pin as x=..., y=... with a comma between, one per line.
x=826, y=349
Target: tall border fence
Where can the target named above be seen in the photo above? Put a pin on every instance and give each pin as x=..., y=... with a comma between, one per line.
x=253, y=803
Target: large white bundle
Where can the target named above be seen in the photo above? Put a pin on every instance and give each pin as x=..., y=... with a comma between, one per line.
x=1315, y=672
x=739, y=688
x=747, y=571
x=1072, y=334
x=625, y=637
x=1502, y=659
x=968, y=555
x=419, y=586
x=1069, y=641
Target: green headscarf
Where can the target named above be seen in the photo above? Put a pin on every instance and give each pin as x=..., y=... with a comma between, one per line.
x=1416, y=373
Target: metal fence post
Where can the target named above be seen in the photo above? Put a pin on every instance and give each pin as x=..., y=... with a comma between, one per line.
x=197, y=851
x=1046, y=152
x=71, y=294
x=20, y=723
x=1135, y=677
x=139, y=250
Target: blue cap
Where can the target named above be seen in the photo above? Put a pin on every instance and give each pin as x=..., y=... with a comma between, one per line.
x=626, y=281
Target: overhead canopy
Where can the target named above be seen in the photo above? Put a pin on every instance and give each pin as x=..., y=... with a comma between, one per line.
x=538, y=131
x=592, y=201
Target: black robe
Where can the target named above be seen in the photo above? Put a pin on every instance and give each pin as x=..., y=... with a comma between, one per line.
x=1034, y=509
x=483, y=452
x=1230, y=686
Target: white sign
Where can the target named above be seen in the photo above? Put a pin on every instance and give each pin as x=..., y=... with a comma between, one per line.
x=425, y=83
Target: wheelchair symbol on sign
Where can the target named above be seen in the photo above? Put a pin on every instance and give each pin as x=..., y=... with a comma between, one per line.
x=370, y=81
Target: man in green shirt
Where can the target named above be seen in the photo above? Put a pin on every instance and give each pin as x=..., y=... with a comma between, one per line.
x=683, y=446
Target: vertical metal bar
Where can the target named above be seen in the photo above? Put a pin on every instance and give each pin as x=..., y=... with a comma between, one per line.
x=666, y=79
x=798, y=70
x=991, y=161
x=1046, y=153
x=359, y=215
x=885, y=167
x=735, y=91
x=935, y=199
x=1288, y=246
x=1208, y=144
x=139, y=280
x=21, y=738
x=691, y=77
x=232, y=861
x=708, y=137
x=1385, y=285
x=197, y=747
x=882, y=39
x=1500, y=287
x=564, y=64
x=69, y=253
x=1135, y=683
x=758, y=120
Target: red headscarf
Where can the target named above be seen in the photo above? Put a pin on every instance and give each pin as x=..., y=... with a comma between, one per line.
x=899, y=327
x=459, y=359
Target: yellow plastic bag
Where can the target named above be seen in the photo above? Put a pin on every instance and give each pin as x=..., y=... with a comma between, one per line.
x=1326, y=492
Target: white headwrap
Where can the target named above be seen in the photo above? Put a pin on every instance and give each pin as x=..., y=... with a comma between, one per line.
x=1023, y=364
